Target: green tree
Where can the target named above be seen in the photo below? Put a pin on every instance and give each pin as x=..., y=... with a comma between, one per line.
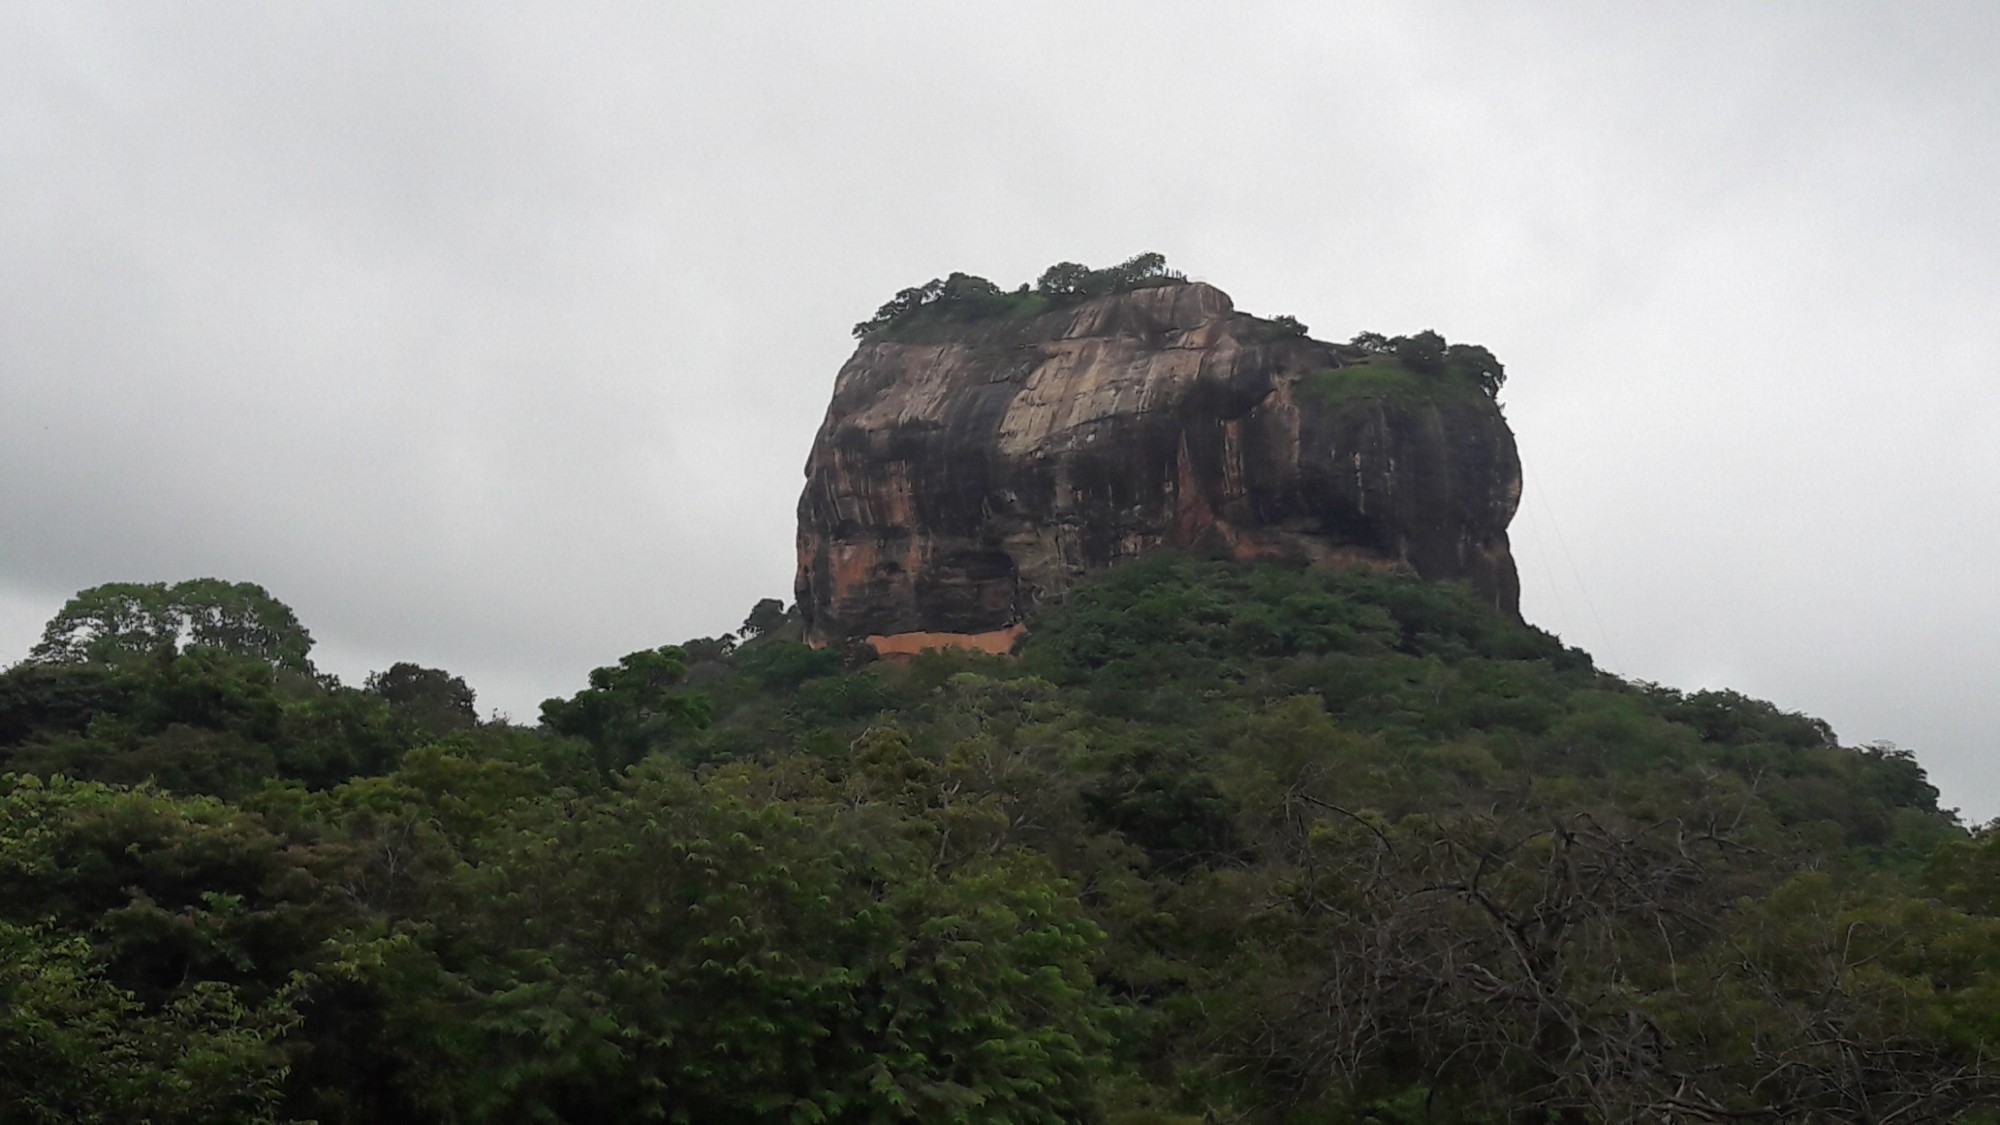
x=120, y=621
x=631, y=708
x=1475, y=364
x=1063, y=280
x=75, y=1049
x=202, y=721
x=161, y=952
x=1141, y=268
x=1966, y=873
x=1069, y=281
x=433, y=698
x=1423, y=353
x=170, y=891
x=704, y=952
x=963, y=294
x=767, y=616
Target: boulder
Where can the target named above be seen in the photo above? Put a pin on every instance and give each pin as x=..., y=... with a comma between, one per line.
x=970, y=467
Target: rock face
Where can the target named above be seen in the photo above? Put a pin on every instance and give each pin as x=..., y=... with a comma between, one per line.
x=967, y=470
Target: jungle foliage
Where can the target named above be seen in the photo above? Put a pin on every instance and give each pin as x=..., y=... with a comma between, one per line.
x=1223, y=843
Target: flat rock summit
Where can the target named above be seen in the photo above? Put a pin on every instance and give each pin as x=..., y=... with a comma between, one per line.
x=984, y=450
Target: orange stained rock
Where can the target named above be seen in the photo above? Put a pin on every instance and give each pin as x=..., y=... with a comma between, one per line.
x=902, y=646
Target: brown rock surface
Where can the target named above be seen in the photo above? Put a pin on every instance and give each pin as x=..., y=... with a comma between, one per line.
x=967, y=470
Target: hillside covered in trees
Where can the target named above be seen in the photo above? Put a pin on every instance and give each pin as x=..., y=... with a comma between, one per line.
x=1221, y=843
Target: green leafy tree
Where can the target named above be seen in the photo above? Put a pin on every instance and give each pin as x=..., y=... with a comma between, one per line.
x=784, y=665
x=433, y=698
x=203, y=721
x=54, y=700
x=1063, y=280
x=121, y=621
x=1475, y=364
x=965, y=297
x=166, y=949
x=75, y=1049
x=702, y=952
x=1069, y=281
x=960, y=294
x=1423, y=353
x=170, y=891
x=1966, y=873
x=1143, y=267
x=631, y=708
x=766, y=617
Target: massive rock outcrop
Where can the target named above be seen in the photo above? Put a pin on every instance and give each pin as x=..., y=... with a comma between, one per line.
x=970, y=467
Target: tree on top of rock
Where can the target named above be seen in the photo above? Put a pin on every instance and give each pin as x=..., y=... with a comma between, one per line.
x=1071, y=281
x=967, y=296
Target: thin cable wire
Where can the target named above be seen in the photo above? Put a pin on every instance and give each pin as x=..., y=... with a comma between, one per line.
x=1604, y=634
x=1548, y=572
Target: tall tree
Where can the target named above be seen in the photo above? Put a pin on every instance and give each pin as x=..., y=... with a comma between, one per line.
x=434, y=698
x=118, y=621
x=631, y=708
x=768, y=615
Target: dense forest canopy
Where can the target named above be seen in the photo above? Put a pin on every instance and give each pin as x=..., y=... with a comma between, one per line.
x=1222, y=842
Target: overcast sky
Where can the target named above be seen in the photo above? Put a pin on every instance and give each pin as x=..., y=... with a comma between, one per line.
x=493, y=336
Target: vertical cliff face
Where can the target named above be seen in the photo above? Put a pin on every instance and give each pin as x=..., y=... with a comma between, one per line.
x=969, y=468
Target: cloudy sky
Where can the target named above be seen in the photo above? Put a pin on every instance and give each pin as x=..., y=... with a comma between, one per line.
x=493, y=336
